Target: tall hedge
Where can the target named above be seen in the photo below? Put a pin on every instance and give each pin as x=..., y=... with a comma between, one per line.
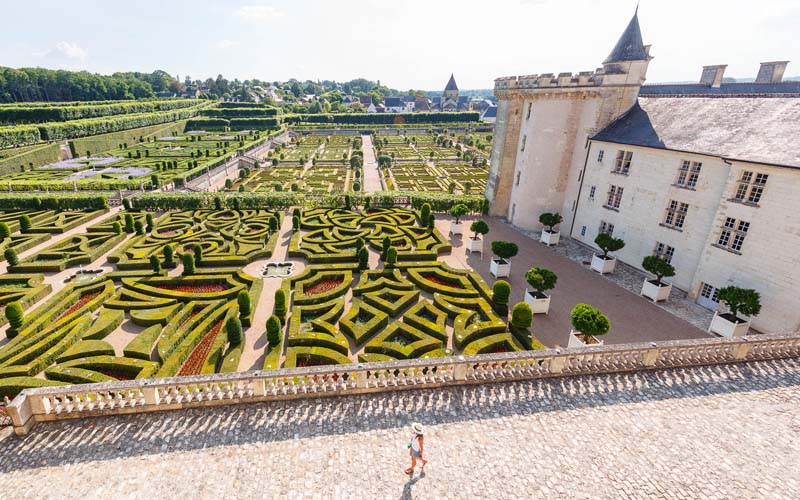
x=41, y=114
x=17, y=136
x=385, y=118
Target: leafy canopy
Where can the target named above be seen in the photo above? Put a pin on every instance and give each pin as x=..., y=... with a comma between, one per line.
x=589, y=321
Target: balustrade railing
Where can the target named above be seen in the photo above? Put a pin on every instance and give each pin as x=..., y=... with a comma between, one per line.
x=76, y=401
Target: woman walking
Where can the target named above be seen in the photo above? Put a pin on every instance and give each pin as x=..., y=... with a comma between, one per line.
x=416, y=447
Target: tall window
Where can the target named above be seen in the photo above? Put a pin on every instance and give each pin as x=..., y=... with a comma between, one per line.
x=688, y=174
x=600, y=155
x=583, y=230
x=675, y=216
x=623, y=163
x=663, y=251
x=516, y=182
x=733, y=234
x=530, y=104
x=524, y=140
x=750, y=187
x=614, y=197
x=591, y=192
x=606, y=227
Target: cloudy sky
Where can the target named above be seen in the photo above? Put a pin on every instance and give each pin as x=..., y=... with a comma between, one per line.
x=404, y=43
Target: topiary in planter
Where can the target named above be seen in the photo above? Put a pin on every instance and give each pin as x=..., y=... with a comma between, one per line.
x=155, y=264
x=188, y=264
x=608, y=243
x=391, y=257
x=233, y=327
x=24, y=223
x=243, y=299
x=479, y=227
x=504, y=249
x=11, y=256
x=659, y=267
x=15, y=315
x=549, y=220
x=273, y=331
x=169, y=256
x=279, y=309
x=589, y=321
x=424, y=214
x=521, y=316
x=740, y=300
x=501, y=291
x=116, y=228
x=5, y=231
x=363, y=259
x=541, y=279
x=458, y=211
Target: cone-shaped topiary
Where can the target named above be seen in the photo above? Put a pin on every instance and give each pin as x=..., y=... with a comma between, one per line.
x=218, y=202
x=273, y=331
x=233, y=327
x=24, y=223
x=243, y=299
x=521, y=315
x=424, y=213
x=501, y=291
x=295, y=223
x=363, y=259
x=11, y=256
x=273, y=224
x=149, y=220
x=386, y=244
x=5, y=232
x=129, y=223
x=116, y=228
x=15, y=315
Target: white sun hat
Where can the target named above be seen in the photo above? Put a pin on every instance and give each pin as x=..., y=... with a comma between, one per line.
x=417, y=428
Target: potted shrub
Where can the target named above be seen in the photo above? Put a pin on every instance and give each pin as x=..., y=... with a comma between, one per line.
x=475, y=242
x=549, y=235
x=501, y=262
x=605, y=263
x=457, y=211
x=738, y=300
x=657, y=289
x=540, y=280
x=588, y=323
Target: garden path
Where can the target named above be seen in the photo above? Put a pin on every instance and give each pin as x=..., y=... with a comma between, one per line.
x=372, y=177
x=711, y=432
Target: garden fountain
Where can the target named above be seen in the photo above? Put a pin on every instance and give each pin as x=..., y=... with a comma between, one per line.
x=277, y=269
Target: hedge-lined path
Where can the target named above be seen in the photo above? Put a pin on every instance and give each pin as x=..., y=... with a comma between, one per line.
x=633, y=318
x=716, y=432
x=372, y=177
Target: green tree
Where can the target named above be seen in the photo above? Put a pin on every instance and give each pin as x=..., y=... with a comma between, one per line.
x=659, y=267
x=116, y=227
x=228, y=183
x=188, y=264
x=15, y=315
x=236, y=204
x=217, y=203
x=356, y=186
x=386, y=244
x=424, y=213
x=458, y=211
x=608, y=243
x=549, y=220
x=504, y=249
x=155, y=264
x=363, y=258
x=541, y=279
x=589, y=321
x=295, y=223
x=273, y=331
x=126, y=203
x=740, y=300
x=11, y=256
x=521, y=316
x=273, y=224
x=233, y=327
x=24, y=223
x=479, y=227
x=391, y=257
x=243, y=299
x=5, y=231
x=501, y=291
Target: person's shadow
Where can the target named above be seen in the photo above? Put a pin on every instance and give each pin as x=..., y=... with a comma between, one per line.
x=406, y=495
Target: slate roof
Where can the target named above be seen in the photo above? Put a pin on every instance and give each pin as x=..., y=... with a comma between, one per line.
x=754, y=129
x=629, y=47
x=490, y=112
x=393, y=102
x=787, y=87
x=451, y=85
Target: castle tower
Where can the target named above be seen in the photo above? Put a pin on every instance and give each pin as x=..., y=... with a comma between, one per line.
x=543, y=123
x=449, y=100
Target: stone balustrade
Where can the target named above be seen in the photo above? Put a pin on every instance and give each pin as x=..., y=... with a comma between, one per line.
x=77, y=401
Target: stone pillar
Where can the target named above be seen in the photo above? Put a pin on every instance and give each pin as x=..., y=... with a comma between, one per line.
x=504, y=155
x=460, y=370
x=151, y=395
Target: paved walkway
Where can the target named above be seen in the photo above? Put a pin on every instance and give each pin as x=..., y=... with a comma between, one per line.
x=372, y=177
x=724, y=432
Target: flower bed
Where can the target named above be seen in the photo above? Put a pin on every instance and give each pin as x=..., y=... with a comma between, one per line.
x=195, y=288
x=194, y=363
x=441, y=282
x=322, y=286
x=86, y=297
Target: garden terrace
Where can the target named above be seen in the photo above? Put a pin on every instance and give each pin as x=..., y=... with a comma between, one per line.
x=48, y=221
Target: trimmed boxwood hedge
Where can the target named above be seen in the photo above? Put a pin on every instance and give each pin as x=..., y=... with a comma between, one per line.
x=106, y=322
x=372, y=321
x=11, y=386
x=85, y=349
x=142, y=346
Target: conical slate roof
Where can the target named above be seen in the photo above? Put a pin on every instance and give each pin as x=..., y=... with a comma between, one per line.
x=451, y=85
x=630, y=46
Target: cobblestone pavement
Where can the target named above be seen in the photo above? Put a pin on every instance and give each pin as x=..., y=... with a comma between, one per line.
x=722, y=432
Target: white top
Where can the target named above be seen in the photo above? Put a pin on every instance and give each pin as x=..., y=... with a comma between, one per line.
x=415, y=442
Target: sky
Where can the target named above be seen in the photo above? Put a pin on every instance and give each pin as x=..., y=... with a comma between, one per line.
x=406, y=44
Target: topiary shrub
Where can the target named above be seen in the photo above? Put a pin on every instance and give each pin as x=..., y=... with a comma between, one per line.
x=458, y=211
x=659, y=267
x=169, y=256
x=740, y=300
x=129, y=223
x=356, y=186
x=149, y=220
x=363, y=259
x=589, y=321
x=386, y=244
x=521, y=316
x=295, y=223
x=541, y=280
x=236, y=203
x=273, y=224
x=218, y=202
x=243, y=299
x=198, y=254
x=126, y=203
x=188, y=264
x=155, y=264
x=15, y=315
x=479, y=227
x=139, y=228
x=608, y=243
x=5, y=231
x=228, y=183
x=504, y=250
x=501, y=291
x=549, y=220
x=431, y=223
x=116, y=228
x=273, y=331
x=233, y=327
x=424, y=214
x=391, y=257
x=24, y=223
x=11, y=256
x=279, y=309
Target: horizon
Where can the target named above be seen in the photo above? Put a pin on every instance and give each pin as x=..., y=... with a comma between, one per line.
x=230, y=39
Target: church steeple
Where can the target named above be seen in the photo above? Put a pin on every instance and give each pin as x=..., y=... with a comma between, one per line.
x=451, y=85
x=629, y=47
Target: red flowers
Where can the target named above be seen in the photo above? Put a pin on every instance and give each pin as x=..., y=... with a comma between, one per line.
x=435, y=279
x=322, y=286
x=86, y=297
x=195, y=288
x=194, y=363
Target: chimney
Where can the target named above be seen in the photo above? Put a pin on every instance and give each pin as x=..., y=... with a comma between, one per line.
x=712, y=75
x=771, y=72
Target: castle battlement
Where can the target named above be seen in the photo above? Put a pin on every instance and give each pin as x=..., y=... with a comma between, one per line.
x=549, y=80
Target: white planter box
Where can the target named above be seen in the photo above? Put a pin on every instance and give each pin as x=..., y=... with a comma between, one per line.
x=654, y=292
x=500, y=268
x=475, y=245
x=603, y=266
x=726, y=328
x=456, y=228
x=550, y=238
x=575, y=341
x=539, y=305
